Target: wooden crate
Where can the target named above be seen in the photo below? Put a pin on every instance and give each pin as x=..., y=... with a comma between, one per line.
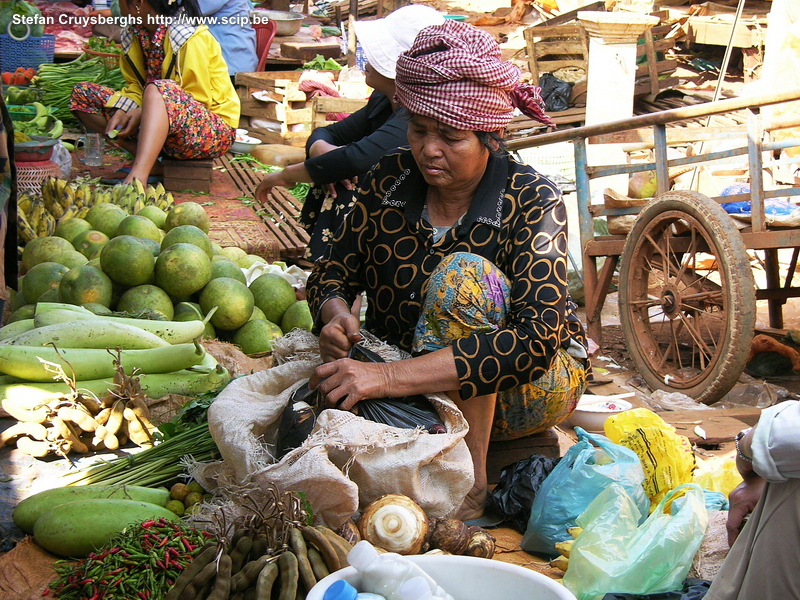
x=287, y=107
x=192, y=175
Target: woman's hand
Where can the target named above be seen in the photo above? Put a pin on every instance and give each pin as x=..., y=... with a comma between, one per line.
x=339, y=334
x=264, y=188
x=345, y=382
x=743, y=500
x=127, y=123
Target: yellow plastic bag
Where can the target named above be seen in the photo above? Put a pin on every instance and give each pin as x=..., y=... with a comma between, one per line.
x=667, y=458
x=718, y=474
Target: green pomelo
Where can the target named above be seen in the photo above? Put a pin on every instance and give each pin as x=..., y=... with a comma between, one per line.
x=18, y=299
x=50, y=295
x=127, y=260
x=273, y=295
x=42, y=277
x=98, y=309
x=26, y=311
x=86, y=284
x=233, y=299
x=248, y=260
x=182, y=269
x=188, y=234
x=140, y=227
x=145, y=298
x=257, y=314
x=257, y=336
x=233, y=253
x=94, y=262
x=155, y=214
x=43, y=249
x=216, y=248
x=188, y=311
x=71, y=259
x=227, y=268
x=155, y=247
x=187, y=213
x=69, y=228
x=106, y=217
x=90, y=242
x=298, y=315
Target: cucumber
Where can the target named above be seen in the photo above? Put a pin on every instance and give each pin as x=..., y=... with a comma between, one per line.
x=77, y=528
x=31, y=508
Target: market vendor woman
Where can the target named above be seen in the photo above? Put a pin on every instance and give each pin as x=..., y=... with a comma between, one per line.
x=462, y=252
x=178, y=98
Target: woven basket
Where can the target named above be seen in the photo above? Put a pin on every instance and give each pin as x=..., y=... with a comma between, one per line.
x=110, y=60
x=31, y=175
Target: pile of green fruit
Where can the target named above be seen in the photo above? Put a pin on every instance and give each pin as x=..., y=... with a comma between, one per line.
x=156, y=263
x=186, y=497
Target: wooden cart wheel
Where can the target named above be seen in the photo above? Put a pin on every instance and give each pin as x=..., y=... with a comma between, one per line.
x=687, y=297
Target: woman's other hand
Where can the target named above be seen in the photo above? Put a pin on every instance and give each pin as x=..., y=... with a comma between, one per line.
x=345, y=382
x=127, y=123
x=743, y=500
x=339, y=334
x=264, y=188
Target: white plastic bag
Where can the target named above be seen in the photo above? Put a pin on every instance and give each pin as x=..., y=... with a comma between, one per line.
x=62, y=157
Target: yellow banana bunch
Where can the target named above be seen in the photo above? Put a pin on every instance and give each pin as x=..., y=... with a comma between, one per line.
x=82, y=212
x=24, y=202
x=69, y=212
x=24, y=230
x=47, y=225
x=56, y=210
x=564, y=548
x=36, y=213
x=66, y=196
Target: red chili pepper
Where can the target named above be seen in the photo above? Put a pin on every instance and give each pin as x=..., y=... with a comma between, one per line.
x=164, y=542
x=148, y=524
x=187, y=545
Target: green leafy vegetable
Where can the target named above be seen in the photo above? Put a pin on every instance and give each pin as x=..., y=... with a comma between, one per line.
x=320, y=63
x=298, y=190
x=9, y=8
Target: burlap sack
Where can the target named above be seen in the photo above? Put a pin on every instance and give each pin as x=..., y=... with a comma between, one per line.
x=347, y=461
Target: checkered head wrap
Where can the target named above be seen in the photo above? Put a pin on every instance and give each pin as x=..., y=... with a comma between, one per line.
x=453, y=73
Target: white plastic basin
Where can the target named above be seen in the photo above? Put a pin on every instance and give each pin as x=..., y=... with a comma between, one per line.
x=470, y=578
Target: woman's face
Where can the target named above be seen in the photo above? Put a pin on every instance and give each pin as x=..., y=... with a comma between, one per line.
x=377, y=81
x=447, y=157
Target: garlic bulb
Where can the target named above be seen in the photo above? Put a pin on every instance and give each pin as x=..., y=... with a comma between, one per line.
x=395, y=523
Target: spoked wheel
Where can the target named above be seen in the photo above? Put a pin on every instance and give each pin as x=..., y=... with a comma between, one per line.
x=687, y=298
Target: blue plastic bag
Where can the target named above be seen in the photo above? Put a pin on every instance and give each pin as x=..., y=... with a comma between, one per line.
x=614, y=553
x=579, y=477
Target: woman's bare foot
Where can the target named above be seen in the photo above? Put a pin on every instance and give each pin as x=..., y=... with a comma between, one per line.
x=474, y=504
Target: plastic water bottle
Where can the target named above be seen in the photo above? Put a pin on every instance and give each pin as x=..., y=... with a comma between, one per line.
x=342, y=590
x=384, y=573
x=417, y=588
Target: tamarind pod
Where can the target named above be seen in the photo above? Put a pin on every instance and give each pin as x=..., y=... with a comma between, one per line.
x=201, y=584
x=287, y=563
x=239, y=553
x=90, y=403
x=36, y=431
x=115, y=418
x=75, y=438
x=317, y=563
x=259, y=545
x=122, y=435
x=222, y=584
x=102, y=417
x=190, y=572
x=238, y=596
x=82, y=419
x=318, y=539
x=136, y=431
x=249, y=593
x=65, y=432
x=266, y=579
x=31, y=447
x=141, y=410
x=26, y=415
x=248, y=574
x=298, y=545
x=340, y=545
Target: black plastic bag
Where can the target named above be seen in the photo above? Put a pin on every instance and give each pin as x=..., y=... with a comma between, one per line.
x=693, y=589
x=513, y=496
x=408, y=412
x=555, y=92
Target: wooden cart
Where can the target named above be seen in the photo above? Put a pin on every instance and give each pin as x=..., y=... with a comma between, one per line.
x=687, y=292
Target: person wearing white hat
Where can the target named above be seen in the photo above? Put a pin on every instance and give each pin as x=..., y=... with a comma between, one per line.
x=337, y=155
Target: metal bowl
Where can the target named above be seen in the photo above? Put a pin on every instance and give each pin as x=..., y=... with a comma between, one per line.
x=288, y=22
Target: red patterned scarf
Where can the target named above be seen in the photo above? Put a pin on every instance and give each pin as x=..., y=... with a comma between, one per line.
x=453, y=73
